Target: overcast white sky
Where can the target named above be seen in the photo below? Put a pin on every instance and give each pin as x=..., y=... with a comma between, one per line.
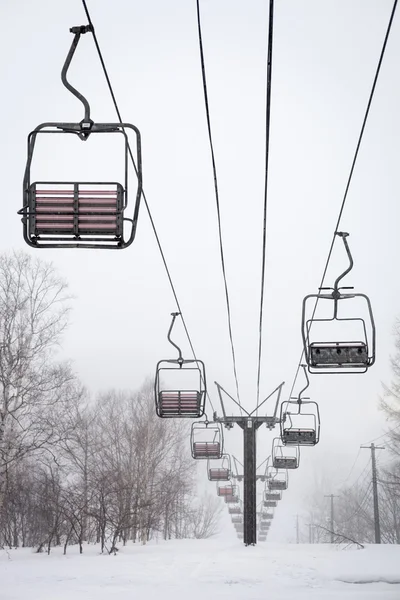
x=325, y=56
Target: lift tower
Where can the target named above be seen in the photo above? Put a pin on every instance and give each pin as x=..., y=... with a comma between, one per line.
x=249, y=423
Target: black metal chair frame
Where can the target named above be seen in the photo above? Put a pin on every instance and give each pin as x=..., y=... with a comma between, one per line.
x=274, y=496
x=274, y=478
x=232, y=490
x=222, y=473
x=365, y=348
x=197, y=409
x=299, y=411
x=218, y=440
x=279, y=460
x=40, y=225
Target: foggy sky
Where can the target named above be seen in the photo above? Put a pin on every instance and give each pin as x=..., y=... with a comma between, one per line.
x=325, y=56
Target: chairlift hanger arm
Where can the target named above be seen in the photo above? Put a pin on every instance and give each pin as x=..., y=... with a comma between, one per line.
x=87, y=122
x=344, y=236
x=174, y=315
x=300, y=399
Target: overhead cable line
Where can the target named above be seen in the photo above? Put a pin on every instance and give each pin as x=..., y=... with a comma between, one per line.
x=214, y=168
x=351, y=470
x=360, y=138
x=267, y=136
x=360, y=475
x=360, y=505
x=388, y=432
x=86, y=9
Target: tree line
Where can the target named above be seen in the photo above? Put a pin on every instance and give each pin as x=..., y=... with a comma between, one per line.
x=75, y=469
x=354, y=517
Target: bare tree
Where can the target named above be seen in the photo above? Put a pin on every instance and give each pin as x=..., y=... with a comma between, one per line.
x=33, y=388
x=390, y=403
x=205, y=517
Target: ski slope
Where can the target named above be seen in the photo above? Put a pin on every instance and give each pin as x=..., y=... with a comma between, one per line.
x=203, y=570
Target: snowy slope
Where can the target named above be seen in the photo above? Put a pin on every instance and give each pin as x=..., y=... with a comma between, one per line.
x=201, y=570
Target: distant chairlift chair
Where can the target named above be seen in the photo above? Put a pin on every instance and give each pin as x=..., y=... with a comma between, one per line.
x=300, y=420
x=346, y=355
x=281, y=457
x=222, y=472
x=206, y=440
x=278, y=481
x=175, y=402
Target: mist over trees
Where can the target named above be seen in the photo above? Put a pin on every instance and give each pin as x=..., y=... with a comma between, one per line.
x=73, y=469
x=353, y=506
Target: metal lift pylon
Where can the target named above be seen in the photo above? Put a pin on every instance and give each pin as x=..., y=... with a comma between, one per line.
x=249, y=423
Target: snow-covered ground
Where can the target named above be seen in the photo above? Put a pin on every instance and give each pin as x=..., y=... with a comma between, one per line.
x=203, y=570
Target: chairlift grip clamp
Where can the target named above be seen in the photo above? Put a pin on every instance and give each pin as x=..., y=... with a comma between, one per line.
x=81, y=29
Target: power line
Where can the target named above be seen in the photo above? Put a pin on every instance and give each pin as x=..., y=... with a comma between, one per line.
x=360, y=137
x=384, y=434
x=267, y=136
x=361, y=474
x=214, y=168
x=86, y=9
x=352, y=468
x=360, y=506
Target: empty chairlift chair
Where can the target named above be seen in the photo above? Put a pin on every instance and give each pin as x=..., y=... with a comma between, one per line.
x=300, y=420
x=340, y=341
x=278, y=480
x=237, y=518
x=267, y=517
x=180, y=385
x=283, y=457
x=272, y=496
x=234, y=510
x=206, y=440
x=226, y=490
x=77, y=213
x=221, y=472
x=232, y=499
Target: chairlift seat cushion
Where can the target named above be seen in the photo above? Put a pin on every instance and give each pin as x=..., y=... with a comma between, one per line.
x=226, y=491
x=75, y=209
x=231, y=499
x=270, y=503
x=221, y=474
x=272, y=496
x=206, y=450
x=237, y=519
x=341, y=354
x=301, y=437
x=285, y=462
x=234, y=510
x=277, y=484
x=179, y=403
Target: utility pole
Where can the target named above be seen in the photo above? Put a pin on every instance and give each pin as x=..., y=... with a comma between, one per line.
x=249, y=423
x=297, y=530
x=332, y=496
x=372, y=447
